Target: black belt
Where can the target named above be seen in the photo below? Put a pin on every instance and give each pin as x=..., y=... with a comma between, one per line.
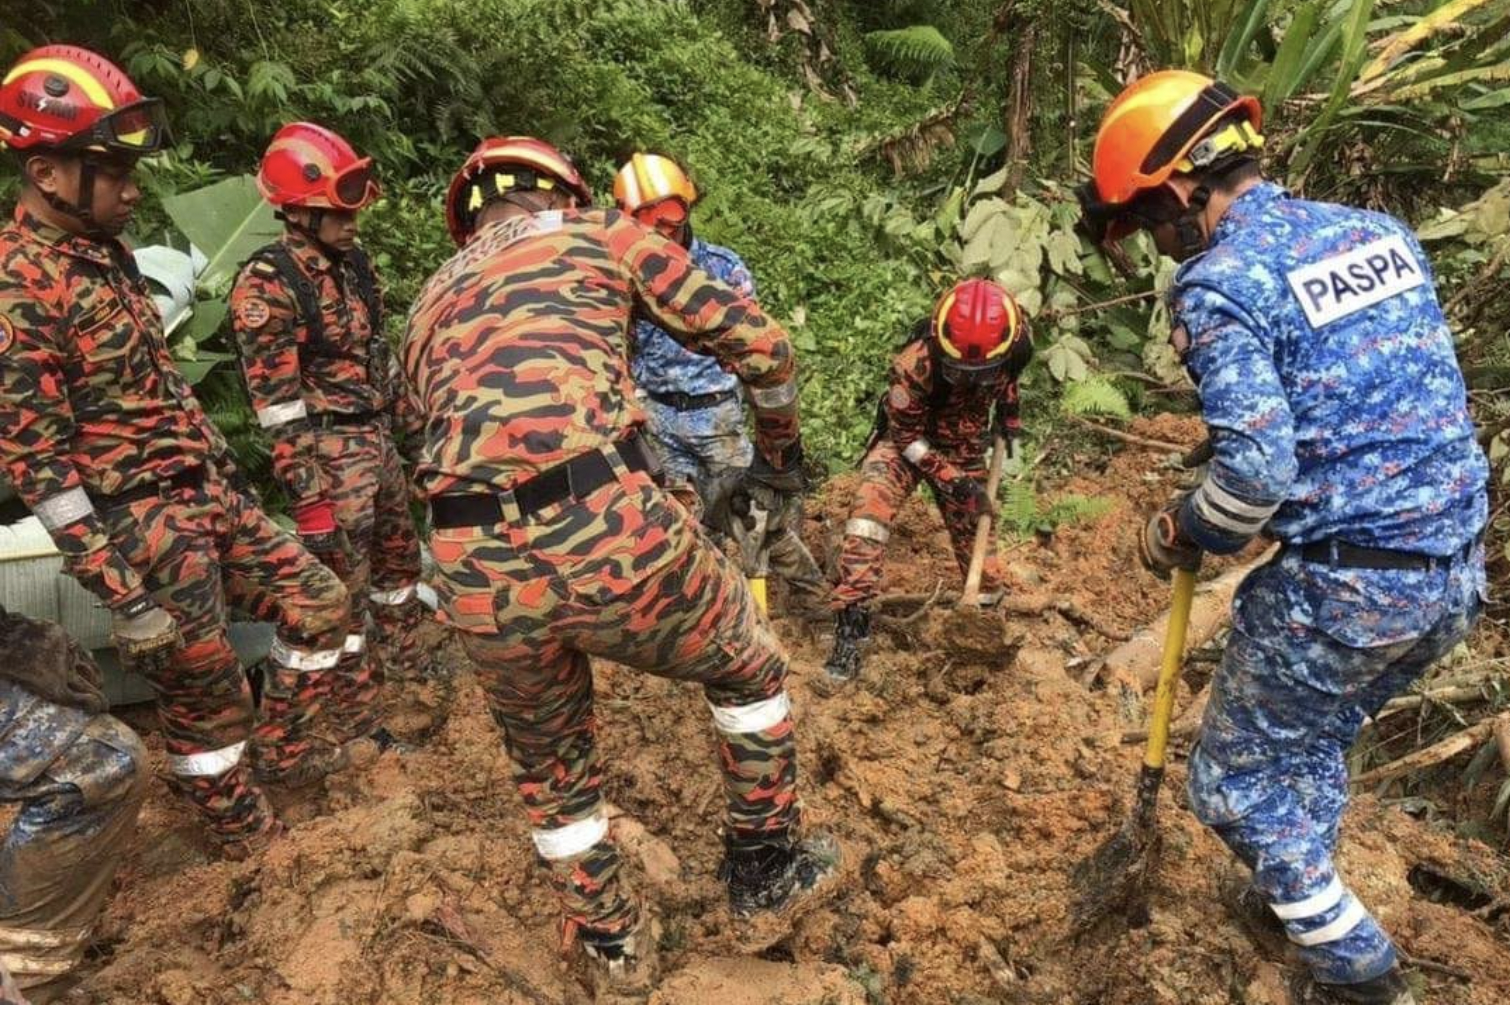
x=577, y=478
x=693, y=401
x=152, y=489
x=1339, y=554
x=330, y=419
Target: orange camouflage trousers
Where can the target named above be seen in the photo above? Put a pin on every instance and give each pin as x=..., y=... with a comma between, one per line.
x=200, y=550
x=366, y=484
x=628, y=576
x=886, y=482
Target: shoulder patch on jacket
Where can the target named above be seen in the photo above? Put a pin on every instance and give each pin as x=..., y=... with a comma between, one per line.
x=253, y=313
x=7, y=333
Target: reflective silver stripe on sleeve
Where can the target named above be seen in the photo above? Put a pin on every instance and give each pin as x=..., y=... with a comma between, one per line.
x=282, y=413
x=286, y=655
x=46, y=939
x=1339, y=927
x=210, y=762
x=394, y=597
x=867, y=529
x=774, y=397
x=1224, y=510
x=915, y=452
x=62, y=509
x=354, y=644
x=756, y=717
x=1322, y=901
x=21, y=964
x=572, y=839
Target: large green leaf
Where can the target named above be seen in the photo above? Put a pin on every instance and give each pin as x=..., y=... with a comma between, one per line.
x=203, y=362
x=1282, y=80
x=228, y=221
x=1354, y=39
x=1248, y=24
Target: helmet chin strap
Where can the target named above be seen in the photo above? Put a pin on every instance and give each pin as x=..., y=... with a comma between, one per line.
x=83, y=211
x=311, y=229
x=1187, y=227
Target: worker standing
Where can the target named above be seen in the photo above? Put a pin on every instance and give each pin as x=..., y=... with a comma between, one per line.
x=555, y=543
x=696, y=413
x=104, y=441
x=1339, y=425
x=307, y=314
x=953, y=381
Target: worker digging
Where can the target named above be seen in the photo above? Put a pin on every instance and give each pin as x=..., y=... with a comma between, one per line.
x=577, y=429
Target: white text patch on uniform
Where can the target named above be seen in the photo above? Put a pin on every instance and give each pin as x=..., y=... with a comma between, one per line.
x=1341, y=285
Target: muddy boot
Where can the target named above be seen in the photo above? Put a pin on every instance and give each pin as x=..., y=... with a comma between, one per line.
x=1389, y=989
x=313, y=765
x=247, y=846
x=1258, y=920
x=851, y=630
x=772, y=882
x=623, y=968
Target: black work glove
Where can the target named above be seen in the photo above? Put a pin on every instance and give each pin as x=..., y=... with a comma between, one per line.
x=790, y=480
x=40, y=657
x=333, y=550
x=1162, y=547
x=969, y=495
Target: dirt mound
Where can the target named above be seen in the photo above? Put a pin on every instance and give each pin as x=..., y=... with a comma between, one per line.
x=964, y=783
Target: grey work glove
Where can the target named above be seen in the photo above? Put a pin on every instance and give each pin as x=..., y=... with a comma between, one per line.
x=146, y=637
x=1162, y=547
x=970, y=495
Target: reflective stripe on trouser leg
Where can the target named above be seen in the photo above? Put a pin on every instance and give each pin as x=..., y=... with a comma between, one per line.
x=540, y=695
x=393, y=597
x=297, y=684
x=207, y=764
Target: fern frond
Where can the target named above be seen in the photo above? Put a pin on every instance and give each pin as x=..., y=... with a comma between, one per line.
x=1095, y=395
x=1019, y=507
x=1073, y=509
x=916, y=53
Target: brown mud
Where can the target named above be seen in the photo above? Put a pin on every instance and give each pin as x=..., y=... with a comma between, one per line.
x=965, y=781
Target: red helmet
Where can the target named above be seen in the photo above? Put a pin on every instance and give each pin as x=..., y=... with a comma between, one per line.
x=309, y=166
x=978, y=329
x=506, y=164
x=70, y=99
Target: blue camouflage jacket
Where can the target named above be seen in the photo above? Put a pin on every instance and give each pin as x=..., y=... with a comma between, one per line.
x=661, y=365
x=1328, y=382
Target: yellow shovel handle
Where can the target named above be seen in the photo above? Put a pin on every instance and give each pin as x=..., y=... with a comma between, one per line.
x=757, y=589
x=1169, y=667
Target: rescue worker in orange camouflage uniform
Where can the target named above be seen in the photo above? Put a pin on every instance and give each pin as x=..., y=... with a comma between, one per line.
x=555, y=543
x=308, y=323
x=104, y=441
x=955, y=378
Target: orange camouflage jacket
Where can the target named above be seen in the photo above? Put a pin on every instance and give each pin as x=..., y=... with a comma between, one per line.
x=91, y=402
x=293, y=378
x=943, y=430
x=517, y=348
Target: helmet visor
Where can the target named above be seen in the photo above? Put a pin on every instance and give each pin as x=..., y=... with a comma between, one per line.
x=665, y=216
x=136, y=129
x=354, y=188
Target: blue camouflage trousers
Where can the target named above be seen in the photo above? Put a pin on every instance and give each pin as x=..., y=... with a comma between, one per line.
x=700, y=448
x=1315, y=650
x=78, y=780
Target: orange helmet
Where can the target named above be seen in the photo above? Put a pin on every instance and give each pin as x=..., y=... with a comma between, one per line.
x=70, y=99
x=501, y=165
x=309, y=166
x=1170, y=121
x=977, y=330
x=647, y=179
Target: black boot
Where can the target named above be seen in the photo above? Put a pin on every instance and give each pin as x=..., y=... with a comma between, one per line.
x=851, y=630
x=777, y=873
x=1389, y=989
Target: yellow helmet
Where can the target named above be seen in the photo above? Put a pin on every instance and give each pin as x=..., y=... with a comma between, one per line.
x=647, y=179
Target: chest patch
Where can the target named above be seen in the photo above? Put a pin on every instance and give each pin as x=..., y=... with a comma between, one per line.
x=253, y=314
x=899, y=398
x=1341, y=285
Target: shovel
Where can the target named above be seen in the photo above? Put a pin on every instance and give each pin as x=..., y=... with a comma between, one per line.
x=983, y=525
x=1116, y=875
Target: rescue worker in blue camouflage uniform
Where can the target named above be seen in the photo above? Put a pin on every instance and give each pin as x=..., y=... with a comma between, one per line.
x=1339, y=425
x=78, y=777
x=696, y=412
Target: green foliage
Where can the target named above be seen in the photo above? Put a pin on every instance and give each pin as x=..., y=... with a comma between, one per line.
x=1096, y=395
x=916, y=53
x=1023, y=513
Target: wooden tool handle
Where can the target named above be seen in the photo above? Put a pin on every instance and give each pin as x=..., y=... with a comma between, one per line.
x=984, y=524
